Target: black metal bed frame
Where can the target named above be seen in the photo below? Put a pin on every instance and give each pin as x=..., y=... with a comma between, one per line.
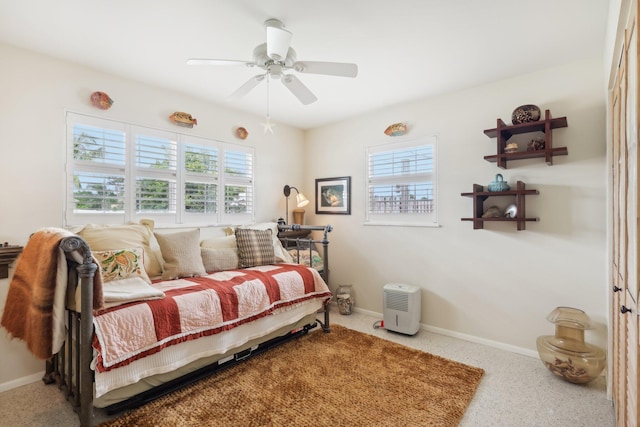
x=70, y=368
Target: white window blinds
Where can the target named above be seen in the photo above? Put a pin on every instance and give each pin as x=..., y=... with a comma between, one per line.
x=401, y=183
x=119, y=172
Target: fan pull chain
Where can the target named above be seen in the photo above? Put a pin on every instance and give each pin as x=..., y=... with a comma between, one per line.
x=267, y=124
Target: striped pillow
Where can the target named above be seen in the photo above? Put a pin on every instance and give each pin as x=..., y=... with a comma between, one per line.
x=255, y=247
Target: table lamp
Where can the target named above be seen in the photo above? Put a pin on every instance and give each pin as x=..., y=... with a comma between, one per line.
x=301, y=201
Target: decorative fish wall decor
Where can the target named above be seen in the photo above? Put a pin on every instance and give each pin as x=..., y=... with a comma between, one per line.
x=396, y=129
x=183, y=119
x=101, y=100
x=242, y=133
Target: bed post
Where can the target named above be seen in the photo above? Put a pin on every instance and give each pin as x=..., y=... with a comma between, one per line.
x=325, y=259
x=325, y=251
x=86, y=271
x=325, y=269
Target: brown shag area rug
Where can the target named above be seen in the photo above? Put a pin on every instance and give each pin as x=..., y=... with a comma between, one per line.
x=344, y=378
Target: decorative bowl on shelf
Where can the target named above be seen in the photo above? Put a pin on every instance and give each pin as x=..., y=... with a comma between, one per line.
x=498, y=185
x=525, y=114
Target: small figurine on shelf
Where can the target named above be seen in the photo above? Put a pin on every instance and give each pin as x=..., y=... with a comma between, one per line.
x=536, y=144
x=511, y=148
x=511, y=211
x=492, y=212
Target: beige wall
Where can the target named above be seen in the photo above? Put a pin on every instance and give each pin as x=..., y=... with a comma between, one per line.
x=35, y=92
x=494, y=285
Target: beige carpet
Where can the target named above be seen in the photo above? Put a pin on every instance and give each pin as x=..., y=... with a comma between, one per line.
x=344, y=378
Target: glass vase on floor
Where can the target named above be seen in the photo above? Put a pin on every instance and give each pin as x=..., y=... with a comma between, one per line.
x=344, y=298
x=565, y=353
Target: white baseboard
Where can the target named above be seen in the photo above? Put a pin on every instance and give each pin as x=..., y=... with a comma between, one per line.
x=502, y=346
x=19, y=382
x=470, y=338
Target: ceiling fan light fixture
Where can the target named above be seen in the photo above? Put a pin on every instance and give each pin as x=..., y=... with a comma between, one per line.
x=278, y=41
x=275, y=71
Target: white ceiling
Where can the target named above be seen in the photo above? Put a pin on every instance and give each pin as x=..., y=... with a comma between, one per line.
x=405, y=49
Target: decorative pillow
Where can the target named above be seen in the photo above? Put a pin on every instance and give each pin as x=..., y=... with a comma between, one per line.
x=124, y=278
x=121, y=264
x=181, y=253
x=223, y=242
x=220, y=259
x=111, y=237
x=255, y=247
x=280, y=253
x=302, y=257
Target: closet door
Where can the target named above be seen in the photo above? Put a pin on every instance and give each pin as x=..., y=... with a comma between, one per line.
x=624, y=230
x=629, y=310
x=618, y=335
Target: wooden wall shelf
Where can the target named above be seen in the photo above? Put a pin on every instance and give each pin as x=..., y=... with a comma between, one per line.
x=503, y=132
x=479, y=196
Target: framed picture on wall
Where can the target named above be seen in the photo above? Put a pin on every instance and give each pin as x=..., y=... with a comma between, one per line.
x=333, y=195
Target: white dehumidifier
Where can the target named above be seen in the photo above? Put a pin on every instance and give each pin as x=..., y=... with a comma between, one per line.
x=402, y=308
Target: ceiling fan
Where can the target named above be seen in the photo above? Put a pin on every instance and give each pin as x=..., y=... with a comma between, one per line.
x=276, y=57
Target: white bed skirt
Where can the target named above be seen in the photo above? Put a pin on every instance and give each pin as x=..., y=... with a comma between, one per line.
x=174, y=357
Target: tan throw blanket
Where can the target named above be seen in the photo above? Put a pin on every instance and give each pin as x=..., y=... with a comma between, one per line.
x=29, y=308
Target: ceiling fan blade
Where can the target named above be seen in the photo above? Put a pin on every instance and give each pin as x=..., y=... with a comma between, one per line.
x=278, y=40
x=341, y=69
x=298, y=89
x=205, y=61
x=248, y=86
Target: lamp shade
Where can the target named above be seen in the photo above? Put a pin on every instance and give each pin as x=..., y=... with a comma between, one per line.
x=301, y=200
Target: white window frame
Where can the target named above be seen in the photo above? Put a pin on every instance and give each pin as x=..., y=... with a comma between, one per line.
x=416, y=219
x=178, y=173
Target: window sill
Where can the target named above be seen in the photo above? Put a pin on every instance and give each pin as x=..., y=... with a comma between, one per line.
x=402, y=224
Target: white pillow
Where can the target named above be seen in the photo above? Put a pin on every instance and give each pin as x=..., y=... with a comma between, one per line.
x=219, y=253
x=222, y=242
x=219, y=259
x=181, y=253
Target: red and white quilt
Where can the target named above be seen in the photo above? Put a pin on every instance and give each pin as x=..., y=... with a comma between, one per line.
x=200, y=306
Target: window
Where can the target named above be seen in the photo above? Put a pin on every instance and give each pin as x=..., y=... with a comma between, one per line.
x=119, y=172
x=401, y=183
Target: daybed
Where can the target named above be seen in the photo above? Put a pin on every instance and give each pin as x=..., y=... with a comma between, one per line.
x=165, y=308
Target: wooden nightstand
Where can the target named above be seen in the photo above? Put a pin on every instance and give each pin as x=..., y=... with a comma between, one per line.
x=8, y=253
